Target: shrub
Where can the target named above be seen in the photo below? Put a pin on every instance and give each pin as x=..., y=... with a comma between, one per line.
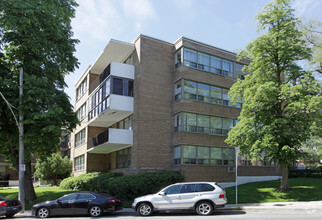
x=89, y=182
x=126, y=187
x=131, y=186
x=305, y=173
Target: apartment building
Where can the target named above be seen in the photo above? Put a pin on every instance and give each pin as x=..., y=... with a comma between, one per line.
x=151, y=105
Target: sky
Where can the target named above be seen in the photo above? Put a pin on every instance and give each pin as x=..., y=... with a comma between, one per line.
x=226, y=24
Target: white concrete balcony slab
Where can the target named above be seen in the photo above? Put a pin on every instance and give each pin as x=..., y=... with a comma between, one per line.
x=111, y=140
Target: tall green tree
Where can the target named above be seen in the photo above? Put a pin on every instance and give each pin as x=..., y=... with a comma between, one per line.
x=282, y=103
x=53, y=168
x=37, y=36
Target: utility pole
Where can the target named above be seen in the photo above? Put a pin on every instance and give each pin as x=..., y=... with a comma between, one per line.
x=236, y=152
x=22, y=166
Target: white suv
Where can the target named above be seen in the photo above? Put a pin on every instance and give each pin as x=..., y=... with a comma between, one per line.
x=203, y=197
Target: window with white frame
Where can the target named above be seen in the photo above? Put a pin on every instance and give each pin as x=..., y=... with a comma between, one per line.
x=80, y=138
x=81, y=89
x=199, y=123
x=208, y=63
x=79, y=163
x=81, y=112
x=202, y=92
x=203, y=155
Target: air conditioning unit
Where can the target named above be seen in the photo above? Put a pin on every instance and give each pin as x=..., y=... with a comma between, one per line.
x=231, y=169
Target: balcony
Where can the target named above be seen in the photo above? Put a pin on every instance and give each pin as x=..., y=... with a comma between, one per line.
x=110, y=140
x=113, y=109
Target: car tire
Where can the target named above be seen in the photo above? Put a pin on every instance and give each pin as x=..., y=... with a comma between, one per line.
x=204, y=208
x=145, y=209
x=43, y=212
x=95, y=211
x=9, y=215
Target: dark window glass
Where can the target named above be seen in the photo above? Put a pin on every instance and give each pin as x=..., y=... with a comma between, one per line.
x=125, y=87
x=187, y=188
x=172, y=189
x=207, y=187
x=68, y=197
x=86, y=196
x=130, y=88
x=117, y=86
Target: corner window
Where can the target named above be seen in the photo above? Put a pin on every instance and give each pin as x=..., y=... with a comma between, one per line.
x=190, y=58
x=177, y=59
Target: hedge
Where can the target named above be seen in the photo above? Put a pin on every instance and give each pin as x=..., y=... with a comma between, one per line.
x=132, y=186
x=89, y=182
x=126, y=187
x=305, y=173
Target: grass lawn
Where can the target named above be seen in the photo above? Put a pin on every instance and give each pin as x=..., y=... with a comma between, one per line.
x=303, y=189
x=43, y=194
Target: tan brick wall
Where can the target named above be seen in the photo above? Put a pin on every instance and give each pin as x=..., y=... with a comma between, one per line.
x=97, y=163
x=153, y=96
x=207, y=173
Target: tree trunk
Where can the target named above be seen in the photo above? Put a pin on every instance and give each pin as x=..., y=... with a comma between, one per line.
x=284, y=181
x=30, y=194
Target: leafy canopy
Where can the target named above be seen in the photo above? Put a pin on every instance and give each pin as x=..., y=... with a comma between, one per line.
x=53, y=168
x=282, y=102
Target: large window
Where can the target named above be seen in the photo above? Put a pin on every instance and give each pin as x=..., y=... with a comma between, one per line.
x=203, y=155
x=81, y=89
x=208, y=63
x=81, y=112
x=79, y=163
x=80, y=138
x=98, y=102
x=191, y=122
x=123, y=158
x=125, y=124
x=202, y=92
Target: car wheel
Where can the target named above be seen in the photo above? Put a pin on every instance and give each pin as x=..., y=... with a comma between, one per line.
x=95, y=211
x=43, y=212
x=204, y=208
x=145, y=209
x=9, y=215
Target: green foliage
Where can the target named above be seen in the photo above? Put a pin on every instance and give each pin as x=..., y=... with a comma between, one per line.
x=36, y=36
x=127, y=187
x=130, y=186
x=89, y=182
x=282, y=102
x=53, y=168
x=315, y=173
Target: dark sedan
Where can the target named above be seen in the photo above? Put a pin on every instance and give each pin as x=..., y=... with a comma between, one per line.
x=88, y=203
x=9, y=207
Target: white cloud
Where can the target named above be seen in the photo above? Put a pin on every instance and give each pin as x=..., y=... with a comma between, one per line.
x=94, y=19
x=141, y=11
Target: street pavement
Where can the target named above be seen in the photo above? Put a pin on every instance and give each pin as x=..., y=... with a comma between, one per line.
x=271, y=207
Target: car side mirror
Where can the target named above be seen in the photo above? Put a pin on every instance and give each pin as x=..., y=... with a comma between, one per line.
x=162, y=194
x=58, y=201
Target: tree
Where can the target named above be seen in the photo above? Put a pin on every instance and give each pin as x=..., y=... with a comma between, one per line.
x=53, y=168
x=282, y=105
x=37, y=36
x=312, y=32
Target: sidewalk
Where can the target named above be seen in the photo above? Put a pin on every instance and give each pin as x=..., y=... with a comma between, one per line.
x=277, y=206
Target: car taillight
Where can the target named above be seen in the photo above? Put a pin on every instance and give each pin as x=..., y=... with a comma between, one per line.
x=4, y=204
x=221, y=196
x=19, y=203
x=113, y=200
